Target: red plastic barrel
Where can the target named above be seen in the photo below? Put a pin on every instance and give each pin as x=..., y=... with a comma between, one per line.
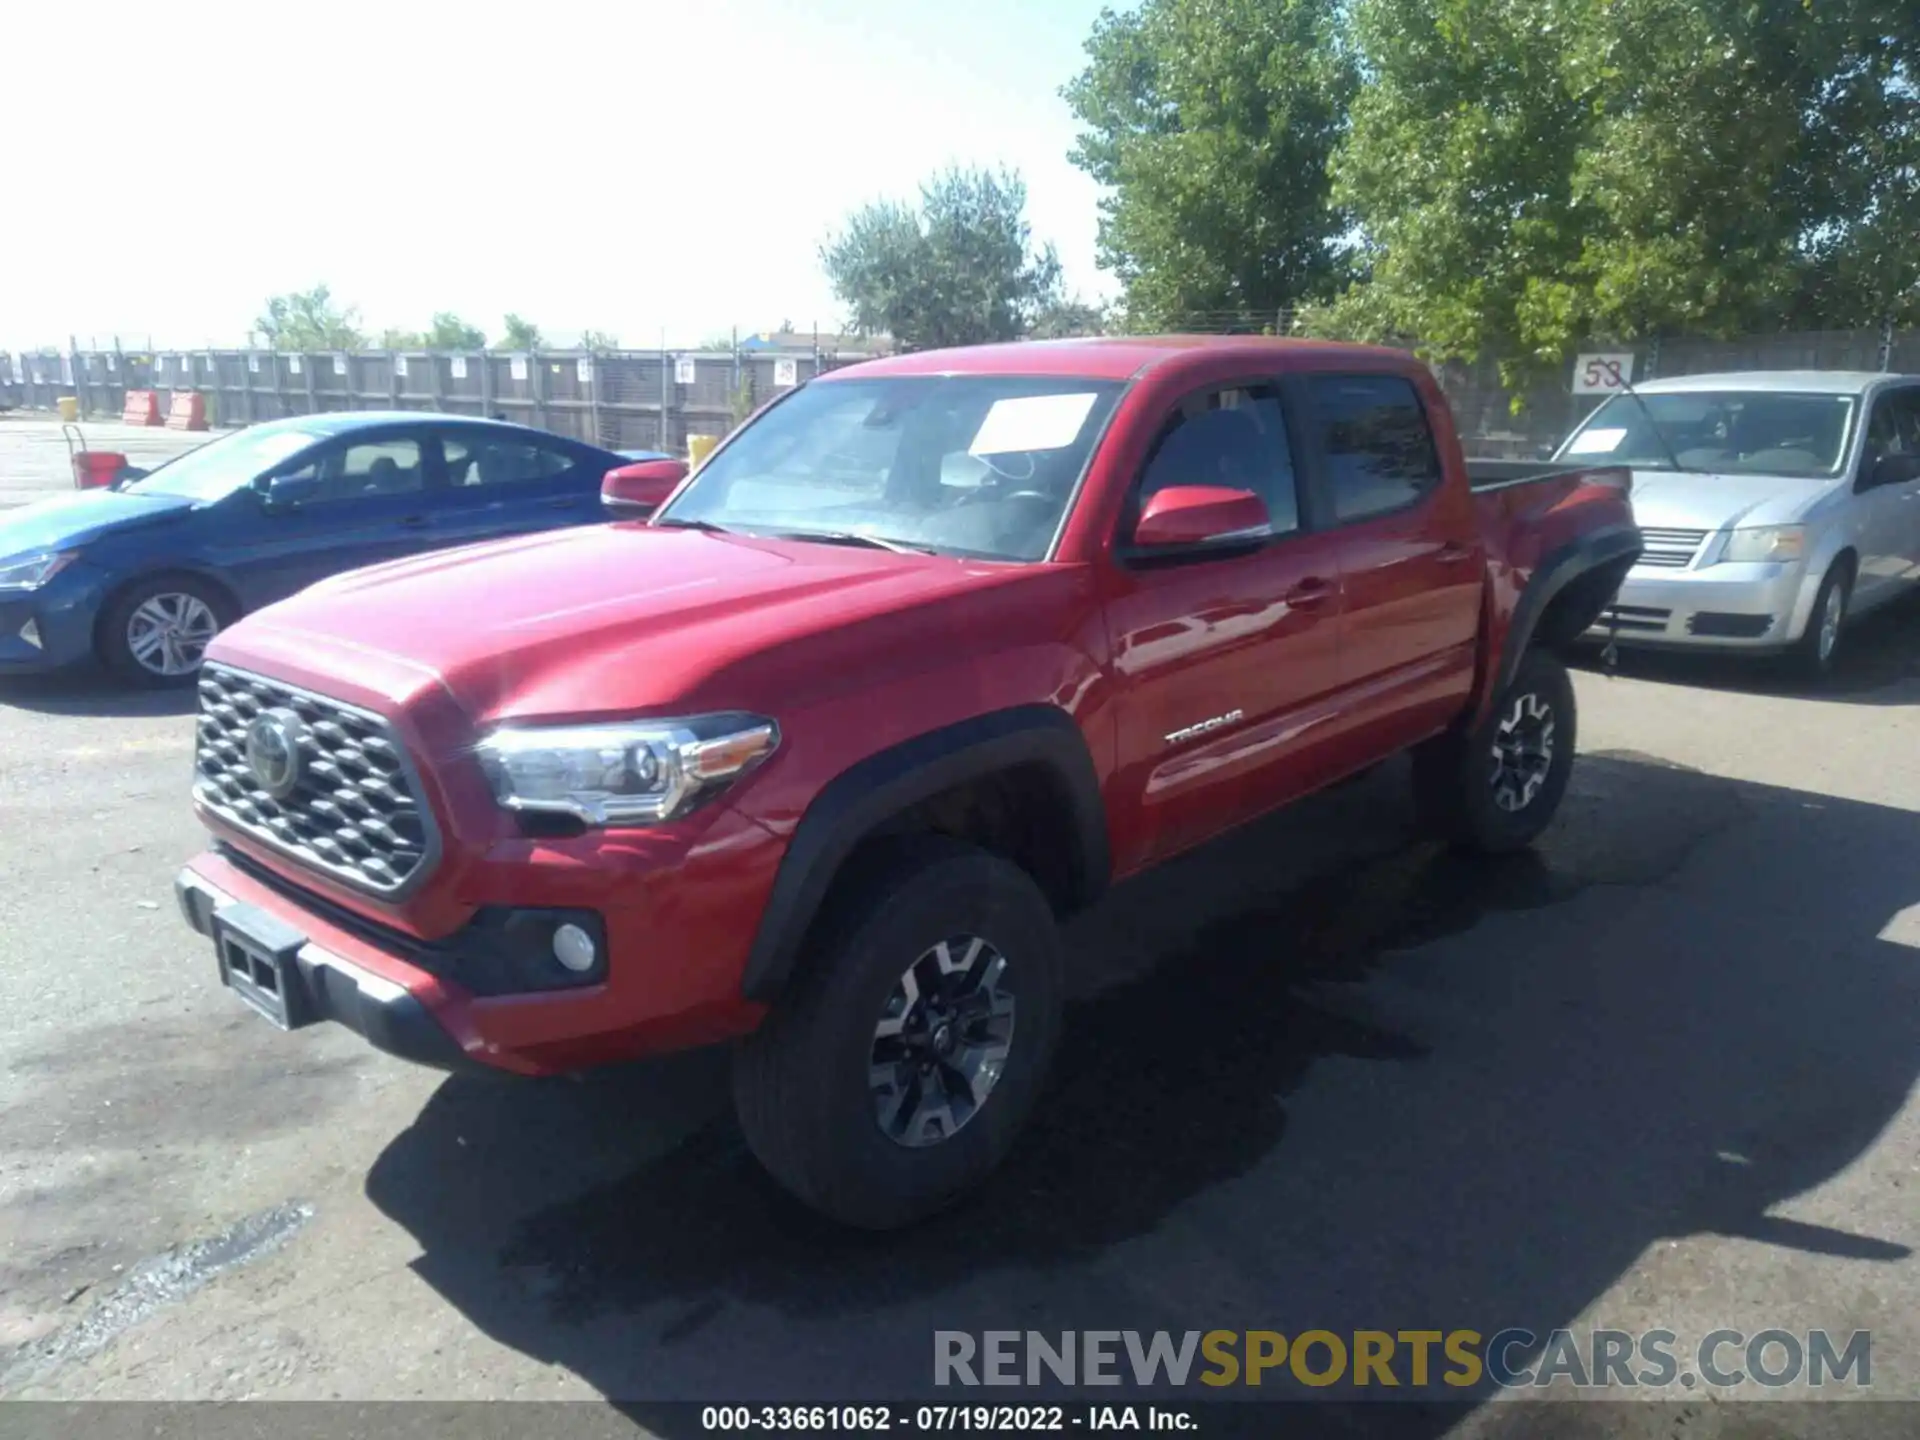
x=97, y=469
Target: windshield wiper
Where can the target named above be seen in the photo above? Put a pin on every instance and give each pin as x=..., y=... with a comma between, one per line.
x=849, y=537
x=1646, y=411
x=706, y=525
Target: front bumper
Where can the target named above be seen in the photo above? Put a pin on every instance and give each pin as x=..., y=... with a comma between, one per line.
x=377, y=1007
x=48, y=628
x=1753, y=608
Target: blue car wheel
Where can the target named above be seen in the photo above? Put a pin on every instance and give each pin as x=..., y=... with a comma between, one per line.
x=158, y=631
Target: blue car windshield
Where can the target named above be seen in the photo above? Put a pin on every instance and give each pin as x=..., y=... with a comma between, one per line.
x=222, y=466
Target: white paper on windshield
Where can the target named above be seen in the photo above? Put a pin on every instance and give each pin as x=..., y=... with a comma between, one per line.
x=1597, y=442
x=1031, y=422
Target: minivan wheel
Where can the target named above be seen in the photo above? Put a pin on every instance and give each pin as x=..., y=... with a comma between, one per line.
x=1495, y=788
x=1814, y=652
x=901, y=1063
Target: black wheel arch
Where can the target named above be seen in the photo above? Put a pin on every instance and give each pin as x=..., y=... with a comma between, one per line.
x=1567, y=592
x=859, y=804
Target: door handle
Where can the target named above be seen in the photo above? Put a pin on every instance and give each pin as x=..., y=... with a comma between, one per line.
x=564, y=503
x=1452, y=553
x=414, y=522
x=1311, y=591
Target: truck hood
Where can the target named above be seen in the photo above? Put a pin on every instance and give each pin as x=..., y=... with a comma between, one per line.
x=66, y=522
x=597, y=620
x=1664, y=499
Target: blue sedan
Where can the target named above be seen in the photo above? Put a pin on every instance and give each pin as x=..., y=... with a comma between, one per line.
x=144, y=576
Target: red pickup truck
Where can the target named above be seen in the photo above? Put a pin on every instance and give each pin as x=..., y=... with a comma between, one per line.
x=815, y=758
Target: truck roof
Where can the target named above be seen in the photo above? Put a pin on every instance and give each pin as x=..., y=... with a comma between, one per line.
x=1120, y=357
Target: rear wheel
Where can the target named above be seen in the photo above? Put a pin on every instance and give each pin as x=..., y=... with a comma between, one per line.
x=157, y=632
x=898, y=1068
x=1495, y=788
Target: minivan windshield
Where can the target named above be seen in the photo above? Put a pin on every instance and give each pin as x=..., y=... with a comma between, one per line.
x=222, y=466
x=975, y=465
x=1739, y=432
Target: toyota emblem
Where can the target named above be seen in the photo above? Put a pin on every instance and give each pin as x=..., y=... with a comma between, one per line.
x=273, y=751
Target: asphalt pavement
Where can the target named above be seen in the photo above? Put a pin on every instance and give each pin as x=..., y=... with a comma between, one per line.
x=1659, y=1074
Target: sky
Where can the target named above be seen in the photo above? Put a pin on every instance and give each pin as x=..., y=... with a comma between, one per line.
x=665, y=171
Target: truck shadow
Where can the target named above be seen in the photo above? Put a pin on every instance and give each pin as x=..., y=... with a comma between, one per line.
x=90, y=690
x=1401, y=1088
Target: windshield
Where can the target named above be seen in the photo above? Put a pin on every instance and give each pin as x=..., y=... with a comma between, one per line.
x=222, y=466
x=979, y=465
x=1742, y=432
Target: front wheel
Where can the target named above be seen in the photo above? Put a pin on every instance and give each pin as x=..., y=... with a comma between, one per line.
x=1495, y=788
x=1814, y=652
x=157, y=632
x=898, y=1068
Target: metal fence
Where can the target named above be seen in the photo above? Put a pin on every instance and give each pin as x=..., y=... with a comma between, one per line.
x=654, y=399
x=625, y=399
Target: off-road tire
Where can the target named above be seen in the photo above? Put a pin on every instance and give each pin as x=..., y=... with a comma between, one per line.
x=802, y=1086
x=1458, y=780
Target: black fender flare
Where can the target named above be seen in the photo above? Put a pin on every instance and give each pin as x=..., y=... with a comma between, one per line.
x=1612, y=545
x=864, y=797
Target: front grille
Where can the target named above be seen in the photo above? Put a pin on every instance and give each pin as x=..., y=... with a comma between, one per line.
x=355, y=811
x=1670, y=549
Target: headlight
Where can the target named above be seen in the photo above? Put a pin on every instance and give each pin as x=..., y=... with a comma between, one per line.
x=1764, y=543
x=27, y=572
x=628, y=773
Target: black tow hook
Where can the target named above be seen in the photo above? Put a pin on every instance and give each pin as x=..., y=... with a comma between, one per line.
x=1610, y=656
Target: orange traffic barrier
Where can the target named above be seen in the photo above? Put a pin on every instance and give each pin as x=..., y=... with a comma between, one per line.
x=143, y=408
x=188, y=411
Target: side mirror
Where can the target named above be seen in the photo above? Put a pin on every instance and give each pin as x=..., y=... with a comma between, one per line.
x=1183, y=516
x=280, y=493
x=1895, y=470
x=632, y=492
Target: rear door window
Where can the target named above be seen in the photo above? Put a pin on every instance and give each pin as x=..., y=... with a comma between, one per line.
x=490, y=462
x=1377, y=446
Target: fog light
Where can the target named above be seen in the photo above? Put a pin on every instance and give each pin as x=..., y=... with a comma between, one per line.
x=30, y=632
x=573, y=948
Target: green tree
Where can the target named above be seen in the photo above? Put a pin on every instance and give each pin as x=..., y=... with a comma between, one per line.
x=1534, y=172
x=1211, y=124
x=521, y=334
x=1062, y=318
x=959, y=269
x=598, y=340
x=449, y=332
x=308, y=320
x=392, y=339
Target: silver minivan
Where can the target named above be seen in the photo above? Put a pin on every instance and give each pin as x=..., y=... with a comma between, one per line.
x=1775, y=505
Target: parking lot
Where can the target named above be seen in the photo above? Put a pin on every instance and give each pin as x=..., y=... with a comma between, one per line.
x=1660, y=1074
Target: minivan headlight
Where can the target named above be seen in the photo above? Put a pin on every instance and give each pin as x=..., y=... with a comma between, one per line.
x=1766, y=543
x=636, y=772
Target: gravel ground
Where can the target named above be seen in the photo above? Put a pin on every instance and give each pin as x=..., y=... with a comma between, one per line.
x=1660, y=1074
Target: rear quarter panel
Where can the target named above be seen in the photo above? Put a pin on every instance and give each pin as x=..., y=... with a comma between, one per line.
x=1526, y=524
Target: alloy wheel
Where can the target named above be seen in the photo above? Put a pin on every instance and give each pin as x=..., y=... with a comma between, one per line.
x=942, y=1041
x=168, y=634
x=1522, y=752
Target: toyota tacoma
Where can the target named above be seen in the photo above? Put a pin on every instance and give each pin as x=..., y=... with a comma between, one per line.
x=814, y=758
